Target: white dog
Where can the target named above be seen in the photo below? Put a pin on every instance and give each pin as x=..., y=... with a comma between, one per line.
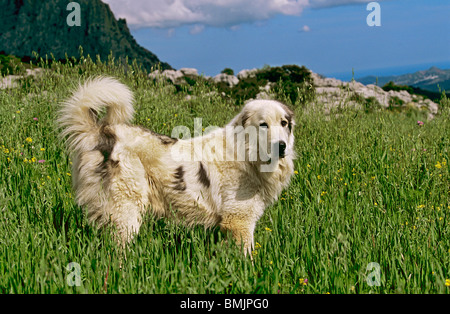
x=226, y=177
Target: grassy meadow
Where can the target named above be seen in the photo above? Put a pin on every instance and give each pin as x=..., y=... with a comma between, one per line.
x=368, y=188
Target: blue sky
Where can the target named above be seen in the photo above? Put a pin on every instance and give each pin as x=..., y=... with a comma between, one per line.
x=329, y=37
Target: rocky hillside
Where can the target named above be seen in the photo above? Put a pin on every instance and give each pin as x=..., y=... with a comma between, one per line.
x=328, y=92
x=41, y=26
x=432, y=79
x=332, y=93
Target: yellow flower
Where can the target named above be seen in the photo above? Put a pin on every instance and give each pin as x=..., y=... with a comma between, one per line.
x=29, y=139
x=268, y=229
x=438, y=165
x=257, y=245
x=68, y=174
x=318, y=177
x=295, y=172
x=420, y=206
x=270, y=262
x=18, y=111
x=323, y=193
x=375, y=204
x=33, y=159
x=42, y=149
x=447, y=282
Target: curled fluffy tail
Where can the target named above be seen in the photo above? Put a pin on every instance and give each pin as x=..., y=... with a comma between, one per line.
x=79, y=114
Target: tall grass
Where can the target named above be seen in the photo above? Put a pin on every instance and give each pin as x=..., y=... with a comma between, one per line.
x=368, y=187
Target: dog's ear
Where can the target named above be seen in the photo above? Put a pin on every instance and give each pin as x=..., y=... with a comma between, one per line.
x=289, y=116
x=289, y=112
x=241, y=119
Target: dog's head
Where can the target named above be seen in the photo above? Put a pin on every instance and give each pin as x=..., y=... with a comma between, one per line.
x=269, y=128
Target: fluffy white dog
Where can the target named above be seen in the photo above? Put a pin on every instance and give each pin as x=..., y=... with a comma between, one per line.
x=226, y=177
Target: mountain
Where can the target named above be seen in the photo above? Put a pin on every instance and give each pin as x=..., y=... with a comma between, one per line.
x=431, y=79
x=41, y=26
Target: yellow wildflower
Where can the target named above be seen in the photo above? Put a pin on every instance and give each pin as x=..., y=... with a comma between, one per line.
x=29, y=139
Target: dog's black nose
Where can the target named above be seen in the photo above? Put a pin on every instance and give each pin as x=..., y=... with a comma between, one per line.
x=282, y=148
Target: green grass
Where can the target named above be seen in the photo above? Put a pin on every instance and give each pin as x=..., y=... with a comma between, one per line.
x=369, y=187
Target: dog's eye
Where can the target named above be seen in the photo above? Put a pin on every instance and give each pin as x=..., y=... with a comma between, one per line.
x=263, y=125
x=283, y=123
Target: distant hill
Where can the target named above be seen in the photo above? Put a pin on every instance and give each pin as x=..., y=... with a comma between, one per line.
x=41, y=26
x=427, y=80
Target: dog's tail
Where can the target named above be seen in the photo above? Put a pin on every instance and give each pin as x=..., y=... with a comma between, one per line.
x=79, y=115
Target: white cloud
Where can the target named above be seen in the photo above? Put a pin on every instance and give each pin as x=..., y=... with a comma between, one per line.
x=334, y=3
x=305, y=29
x=196, y=29
x=218, y=13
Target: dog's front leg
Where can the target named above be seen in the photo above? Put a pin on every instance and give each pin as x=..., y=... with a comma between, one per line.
x=241, y=230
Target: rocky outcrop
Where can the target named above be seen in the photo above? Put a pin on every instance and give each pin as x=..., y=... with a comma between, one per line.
x=246, y=73
x=332, y=92
x=41, y=26
x=230, y=80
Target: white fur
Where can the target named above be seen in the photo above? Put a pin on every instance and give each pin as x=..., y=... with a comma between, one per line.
x=120, y=171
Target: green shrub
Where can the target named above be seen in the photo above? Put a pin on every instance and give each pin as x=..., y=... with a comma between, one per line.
x=10, y=65
x=228, y=71
x=396, y=88
x=394, y=101
x=290, y=82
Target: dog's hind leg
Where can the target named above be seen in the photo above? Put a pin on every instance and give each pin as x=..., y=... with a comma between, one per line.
x=125, y=219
